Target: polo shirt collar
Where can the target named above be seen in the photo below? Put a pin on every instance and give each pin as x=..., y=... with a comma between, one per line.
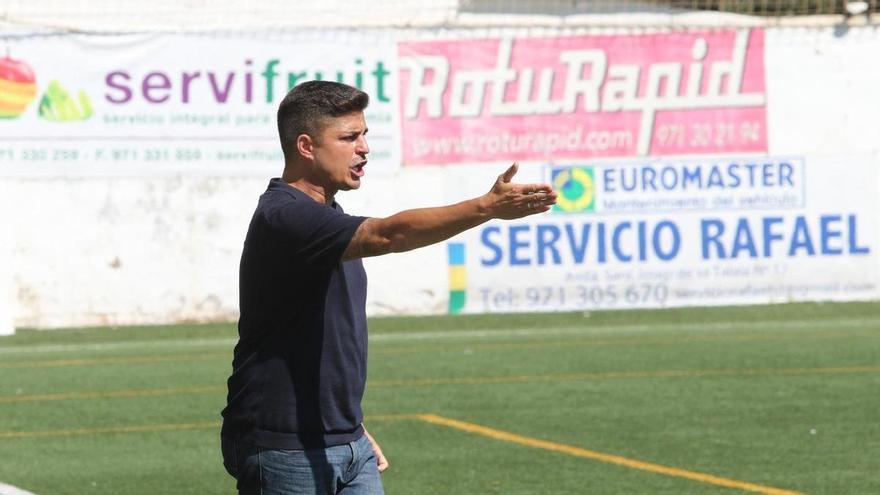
x=276, y=184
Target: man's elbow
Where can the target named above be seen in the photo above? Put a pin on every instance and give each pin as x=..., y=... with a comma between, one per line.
x=399, y=244
x=380, y=245
x=382, y=236
x=389, y=237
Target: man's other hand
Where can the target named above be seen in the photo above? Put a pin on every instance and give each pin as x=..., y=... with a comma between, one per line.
x=380, y=457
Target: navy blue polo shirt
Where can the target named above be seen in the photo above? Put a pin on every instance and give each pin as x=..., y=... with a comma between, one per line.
x=300, y=365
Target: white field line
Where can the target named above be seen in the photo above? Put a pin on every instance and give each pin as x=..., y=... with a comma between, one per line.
x=12, y=490
x=586, y=329
x=623, y=329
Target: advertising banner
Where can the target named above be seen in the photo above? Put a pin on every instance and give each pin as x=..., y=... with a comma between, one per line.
x=559, y=97
x=688, y=173
x=92, y=105
x=679, y=232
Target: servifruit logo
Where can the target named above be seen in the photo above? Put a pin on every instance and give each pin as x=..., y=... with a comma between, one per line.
x=18, y=89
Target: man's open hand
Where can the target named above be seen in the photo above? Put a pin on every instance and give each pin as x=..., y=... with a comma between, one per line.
x=509, y=200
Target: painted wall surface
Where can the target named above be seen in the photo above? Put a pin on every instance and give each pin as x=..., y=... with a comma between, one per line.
x=130, y=168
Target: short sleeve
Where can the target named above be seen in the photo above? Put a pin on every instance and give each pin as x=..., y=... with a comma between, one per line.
x=318, y=234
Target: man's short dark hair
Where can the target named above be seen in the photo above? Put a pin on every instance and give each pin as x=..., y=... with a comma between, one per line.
x=308, y=105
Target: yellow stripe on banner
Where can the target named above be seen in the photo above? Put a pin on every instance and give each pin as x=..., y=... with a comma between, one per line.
x=599, y=456
x=116, y=429
x=11, y=106
x=15, y=99
x=17, y=88
x=457, y=278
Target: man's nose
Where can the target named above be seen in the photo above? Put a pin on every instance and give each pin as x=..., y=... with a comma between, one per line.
x=362, y=147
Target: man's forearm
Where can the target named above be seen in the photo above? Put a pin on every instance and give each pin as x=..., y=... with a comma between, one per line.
x=412, y=229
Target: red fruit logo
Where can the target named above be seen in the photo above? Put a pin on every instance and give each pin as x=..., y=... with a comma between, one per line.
x=18, y=87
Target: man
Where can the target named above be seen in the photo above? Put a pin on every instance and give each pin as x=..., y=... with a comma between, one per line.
x=293, y=422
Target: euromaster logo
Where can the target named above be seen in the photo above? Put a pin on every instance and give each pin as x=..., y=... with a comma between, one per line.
x=576, y=188
x=18, y=89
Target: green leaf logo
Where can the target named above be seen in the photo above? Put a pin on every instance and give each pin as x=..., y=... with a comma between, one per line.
x=57, y=105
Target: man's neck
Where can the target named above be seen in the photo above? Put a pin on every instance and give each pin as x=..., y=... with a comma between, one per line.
x=314, y=191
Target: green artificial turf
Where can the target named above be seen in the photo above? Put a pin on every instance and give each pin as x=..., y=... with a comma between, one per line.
x=779, y=396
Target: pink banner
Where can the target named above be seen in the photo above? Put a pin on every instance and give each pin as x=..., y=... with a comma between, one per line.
x=579, y=97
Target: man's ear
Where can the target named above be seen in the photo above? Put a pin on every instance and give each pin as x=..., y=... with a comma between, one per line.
x=305, y=146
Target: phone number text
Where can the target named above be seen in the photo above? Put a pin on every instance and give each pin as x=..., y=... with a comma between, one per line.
x=571, y=296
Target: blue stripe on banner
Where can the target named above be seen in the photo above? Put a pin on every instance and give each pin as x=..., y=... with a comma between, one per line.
x=456, y=253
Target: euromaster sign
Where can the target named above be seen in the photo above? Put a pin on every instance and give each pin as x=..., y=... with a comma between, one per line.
x=675, y=185
x=176, y=103
x=558, y=97
x=678, y=232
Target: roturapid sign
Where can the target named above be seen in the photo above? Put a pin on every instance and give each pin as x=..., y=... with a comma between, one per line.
x=583, y=96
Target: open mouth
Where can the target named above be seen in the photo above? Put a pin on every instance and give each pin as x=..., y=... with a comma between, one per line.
x=358, y=170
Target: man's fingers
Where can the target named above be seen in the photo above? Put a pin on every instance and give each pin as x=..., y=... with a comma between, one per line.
x=536, y=188
x=543, y=196
x=381, y=460
x=539, y=202
x=507, y=176
x=546, y=197
x=382, y=464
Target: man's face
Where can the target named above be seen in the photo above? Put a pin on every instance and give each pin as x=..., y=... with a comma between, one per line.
x=341, y=151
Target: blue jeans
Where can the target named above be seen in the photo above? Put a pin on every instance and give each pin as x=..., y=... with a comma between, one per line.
x=348, y=469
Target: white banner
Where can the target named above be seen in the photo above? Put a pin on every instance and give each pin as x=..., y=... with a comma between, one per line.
x=140, y=105
x=725, y=230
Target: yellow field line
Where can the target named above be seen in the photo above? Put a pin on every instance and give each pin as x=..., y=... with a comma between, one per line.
x=390, y=417
x=377, y=350
x=448, y=422
x=506, y=436
x=114, y=429
x=612, y=375
x=159, y=427
x=52, y=363
x=206, y=389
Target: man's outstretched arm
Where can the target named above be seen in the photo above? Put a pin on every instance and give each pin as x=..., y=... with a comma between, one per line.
x=411, y=229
